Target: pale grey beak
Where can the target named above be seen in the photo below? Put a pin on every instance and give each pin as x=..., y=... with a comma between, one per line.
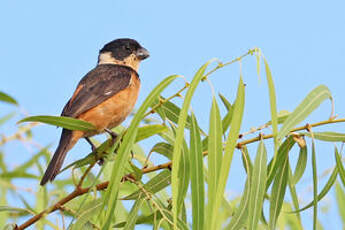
x=142, y=53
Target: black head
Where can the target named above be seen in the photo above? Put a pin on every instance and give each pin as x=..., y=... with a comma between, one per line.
x=123, y=48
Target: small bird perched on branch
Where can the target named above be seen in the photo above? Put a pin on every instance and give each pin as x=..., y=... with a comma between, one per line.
x=104, y=97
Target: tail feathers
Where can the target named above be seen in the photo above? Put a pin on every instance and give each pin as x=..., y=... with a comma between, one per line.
x=66, y=143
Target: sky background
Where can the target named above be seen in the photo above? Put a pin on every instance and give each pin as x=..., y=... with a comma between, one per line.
x=46, y=47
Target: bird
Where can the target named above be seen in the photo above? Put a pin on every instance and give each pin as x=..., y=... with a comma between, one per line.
x=104, y=97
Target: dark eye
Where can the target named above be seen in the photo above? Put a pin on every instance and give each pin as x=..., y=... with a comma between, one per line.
x=127, y=48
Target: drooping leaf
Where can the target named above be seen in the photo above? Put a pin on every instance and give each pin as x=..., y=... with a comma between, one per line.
x=273, y=108
x=241, y=213
x=215, y=156
x=283, y=151
x=293, y=193
x=133, y=214
x=147, y=131
x=156, y=184
x=257, y=187
x=225, y=101
x=340, y=166
x=164, y=149
x=7, y=117
x=86, y=213
x=111, y=195
x=278, y=191
x=178, y=145
x=340, y=196
x=315, y=200
x=14, y=209
x=7, y=98
x=301, y=165
x=230, y=146
x=327, y=136
x=197, y=176
x=324, y=190
x=306, y=107
x=64, y=122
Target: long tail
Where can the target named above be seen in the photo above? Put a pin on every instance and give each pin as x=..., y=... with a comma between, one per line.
x=67, y=141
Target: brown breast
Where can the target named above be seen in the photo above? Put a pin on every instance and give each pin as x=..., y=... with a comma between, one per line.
x=114, y=110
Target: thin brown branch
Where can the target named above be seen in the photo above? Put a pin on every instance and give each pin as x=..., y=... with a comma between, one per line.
x=81, y=191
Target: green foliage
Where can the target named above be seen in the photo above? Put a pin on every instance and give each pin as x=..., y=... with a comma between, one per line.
x=184, y=190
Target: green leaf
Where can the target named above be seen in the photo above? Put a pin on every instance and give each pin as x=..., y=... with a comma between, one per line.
x=84, y=216
x=324, y=191
x=14, y=209
x=156, y=184
x=301, y=165
x=197, y=176
x=7, y=98
x=147, y=131
x=164, y=149
x=295, y=202
x=10, y=227
x=133, y=214
x=241, y=214
x=112, y=191
x=283, y=151
x=282, y=116
x=7, y=117
x=313, y=157
x=172, y=112
x=226, y=103
x=64, y=122
x=18, y=174
x=257, y=187
x=327, y=136
x=176, y=181
x=273, y=106
x=306, y=107
x=340, y=196
x=340, y=166
x=278, y=191
x=246, y=161
x=215, y=156
x=230, y=146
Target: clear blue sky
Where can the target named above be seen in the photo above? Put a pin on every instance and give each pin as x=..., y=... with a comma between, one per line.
x=46, y=47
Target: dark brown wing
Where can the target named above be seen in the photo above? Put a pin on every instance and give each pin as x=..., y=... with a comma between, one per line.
x=97, y=86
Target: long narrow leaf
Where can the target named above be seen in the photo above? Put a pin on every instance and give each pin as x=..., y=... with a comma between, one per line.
x=111, y=195
x=257, y=187
x=313, y=160
x=215, y=155
x=7, y=98
x=306, y=107
x=273, y=106
x=229, y=150
x=241, y=214
x=176, y=181
x=133, y=215
x=327, y=136
x=301, y=165
x=324, y=190
x=64, y=122
x=278, y=191
x=156, y=184
x=197, y=176
x=340, y=166
x=340, y=196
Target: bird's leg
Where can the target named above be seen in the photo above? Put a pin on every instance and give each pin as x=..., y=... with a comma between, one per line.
x=112, y=134
x=93, y=147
